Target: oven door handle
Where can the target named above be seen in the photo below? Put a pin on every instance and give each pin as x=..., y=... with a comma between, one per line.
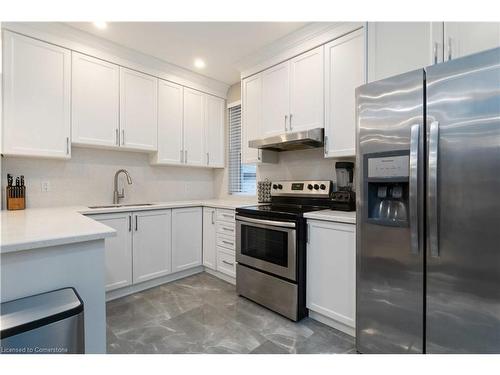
x=273, y=223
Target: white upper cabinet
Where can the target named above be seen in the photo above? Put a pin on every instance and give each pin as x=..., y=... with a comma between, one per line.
x=275, y=99
x=344, y=71
x=152, y=244
x=95, y=100
x=170, y=128
x=465, y=38
x=194, y=118
x=214, y=131
x=251, y=108
x=306, y=91
x=187, y=230
x=138, y=110
x=37, y=84
x=399, y=47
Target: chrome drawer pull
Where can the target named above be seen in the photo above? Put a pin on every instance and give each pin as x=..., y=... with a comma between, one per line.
x=228, y=263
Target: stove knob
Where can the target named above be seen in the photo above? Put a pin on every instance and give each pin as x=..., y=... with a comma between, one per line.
x=280, y=186
x=275, y=186
x=310, y=187
x=322, y=186
x=316, y=186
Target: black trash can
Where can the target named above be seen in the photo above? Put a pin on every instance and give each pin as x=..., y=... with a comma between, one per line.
x=47, y=323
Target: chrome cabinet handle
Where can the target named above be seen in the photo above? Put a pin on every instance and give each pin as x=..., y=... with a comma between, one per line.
x=435, y=52
x=208, y=158
x=290, y=122
x=129, y=223
x=67, y=145
x=136, y=223
x=227, y=215
x=213, y=219
x=185, y=156
x=117, y=137
x=123, y=137
x=414, y=155
x=449, y=49
x=432, y=202
x=286, y=117
x=228, y=263
x=228, y=229
x=227, y=242
x=326, y=145
x=182, y=158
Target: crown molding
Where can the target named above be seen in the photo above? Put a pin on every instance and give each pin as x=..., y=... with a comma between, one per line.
x=77, y=40
x=308, y=37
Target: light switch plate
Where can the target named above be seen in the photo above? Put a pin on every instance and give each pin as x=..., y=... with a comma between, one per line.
x=45, y=186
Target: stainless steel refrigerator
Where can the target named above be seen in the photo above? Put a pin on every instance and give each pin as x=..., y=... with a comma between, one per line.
x=428, y=210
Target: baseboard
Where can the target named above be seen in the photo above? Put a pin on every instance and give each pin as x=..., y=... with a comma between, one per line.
x=351, y=331
x=220, y=275
x=122, y=292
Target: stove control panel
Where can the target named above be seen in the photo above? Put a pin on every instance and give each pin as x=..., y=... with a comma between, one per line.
x=302, y=188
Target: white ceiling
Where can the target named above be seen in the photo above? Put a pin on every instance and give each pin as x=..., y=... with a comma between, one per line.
x=220, y=44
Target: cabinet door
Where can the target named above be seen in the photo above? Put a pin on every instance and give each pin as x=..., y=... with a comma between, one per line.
x=306, y=91
x=209, y=238
x=118, y=250
x=331, y=270
x=251, y=108
x=186, y=238
x=214, y=131
x=152, y=236
x=194, y=117
x=37, y=84
x=399, y=47
x=95, y=98
x=465, y=38
x=275, y=99
x=138, y=110
x=344, y=71
x=170, y=112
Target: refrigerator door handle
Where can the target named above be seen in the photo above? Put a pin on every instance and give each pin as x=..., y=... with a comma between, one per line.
x=433, y=189
x=414, y=156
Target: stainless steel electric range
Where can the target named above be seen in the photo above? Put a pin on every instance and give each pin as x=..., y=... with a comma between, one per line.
x=271, y=246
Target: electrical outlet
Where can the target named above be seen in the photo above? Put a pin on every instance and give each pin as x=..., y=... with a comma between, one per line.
x=45, y=186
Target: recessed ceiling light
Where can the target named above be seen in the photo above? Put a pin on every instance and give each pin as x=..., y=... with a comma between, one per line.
x=100, y=24
x=199, y=63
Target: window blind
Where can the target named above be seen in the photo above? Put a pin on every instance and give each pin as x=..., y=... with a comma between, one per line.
x=241, y=177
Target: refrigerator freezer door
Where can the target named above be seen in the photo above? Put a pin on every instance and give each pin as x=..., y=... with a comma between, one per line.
x=463, y=258
x=390, y=282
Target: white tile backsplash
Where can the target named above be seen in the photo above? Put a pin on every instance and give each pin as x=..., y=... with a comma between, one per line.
x=87, y=178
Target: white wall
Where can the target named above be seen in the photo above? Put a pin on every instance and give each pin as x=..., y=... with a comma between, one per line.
x=87, y=179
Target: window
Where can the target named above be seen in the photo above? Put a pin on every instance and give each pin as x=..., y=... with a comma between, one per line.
x=241, y=177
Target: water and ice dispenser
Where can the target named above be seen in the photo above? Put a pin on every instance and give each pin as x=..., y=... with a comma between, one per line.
x=387, y=188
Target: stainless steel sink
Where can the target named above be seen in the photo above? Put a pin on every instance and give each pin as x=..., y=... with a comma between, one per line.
x=121, y=205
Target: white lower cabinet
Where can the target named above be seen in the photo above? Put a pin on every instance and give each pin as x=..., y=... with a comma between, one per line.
x=186, y=238
x=209, y=238
x=152, y=244
x=118, y=250
x=331, y=273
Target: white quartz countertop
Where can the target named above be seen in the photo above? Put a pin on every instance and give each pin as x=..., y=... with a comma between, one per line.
x=331, y=215
x=42, y=227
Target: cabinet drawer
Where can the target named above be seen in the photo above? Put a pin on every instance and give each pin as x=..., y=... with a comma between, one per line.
x=226, y=262
x=225, y=215
x=226, y=241
x=225, y=228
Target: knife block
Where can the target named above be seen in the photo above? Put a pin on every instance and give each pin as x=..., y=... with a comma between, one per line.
x=13, y=202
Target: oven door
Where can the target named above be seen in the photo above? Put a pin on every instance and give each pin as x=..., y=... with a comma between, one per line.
x=267, y=245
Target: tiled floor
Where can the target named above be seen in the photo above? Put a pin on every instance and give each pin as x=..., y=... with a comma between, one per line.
x=202, y=314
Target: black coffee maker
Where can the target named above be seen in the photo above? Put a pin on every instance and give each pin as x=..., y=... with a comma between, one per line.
x=344, y=199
